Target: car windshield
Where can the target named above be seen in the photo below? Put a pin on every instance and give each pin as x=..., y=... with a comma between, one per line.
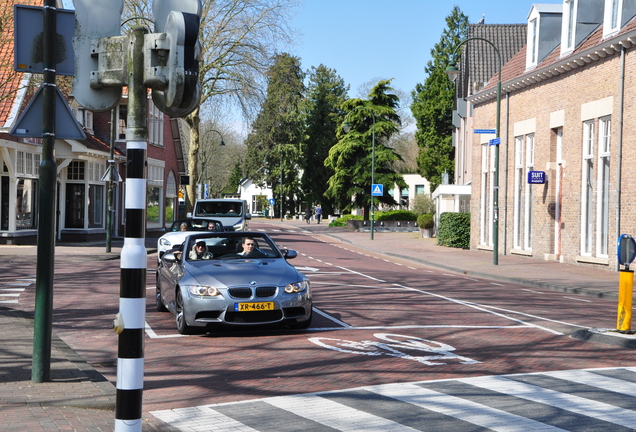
x=196, y=225
x=231, y=246
x=219, y=209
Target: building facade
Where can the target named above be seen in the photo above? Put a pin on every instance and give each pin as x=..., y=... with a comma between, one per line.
x=565, y=189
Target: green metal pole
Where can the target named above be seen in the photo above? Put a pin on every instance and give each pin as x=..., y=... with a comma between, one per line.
x=372, y=176
x=495, y=218
x=111, y=189
x=43, y=319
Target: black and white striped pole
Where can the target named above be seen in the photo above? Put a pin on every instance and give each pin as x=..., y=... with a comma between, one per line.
x=132, y=294
x=176, y=92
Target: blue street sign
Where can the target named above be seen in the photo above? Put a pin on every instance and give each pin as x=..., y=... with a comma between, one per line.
x=495, y=141
x=271, y=201
x=536, y=177
x=485, y=131
x=377, y=190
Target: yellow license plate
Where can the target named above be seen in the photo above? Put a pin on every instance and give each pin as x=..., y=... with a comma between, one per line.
x=249, y=307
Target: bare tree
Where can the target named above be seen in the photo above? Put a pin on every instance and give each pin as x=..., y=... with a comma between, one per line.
x=238, y=39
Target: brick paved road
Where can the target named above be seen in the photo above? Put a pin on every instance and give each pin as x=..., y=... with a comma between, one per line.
x=494, y=328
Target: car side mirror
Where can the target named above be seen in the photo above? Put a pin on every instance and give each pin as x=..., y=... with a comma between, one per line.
x=169, y=257
x=290, y=254
x=248, y=216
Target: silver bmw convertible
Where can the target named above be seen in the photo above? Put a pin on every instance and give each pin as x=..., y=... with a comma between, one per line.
x=238, y=279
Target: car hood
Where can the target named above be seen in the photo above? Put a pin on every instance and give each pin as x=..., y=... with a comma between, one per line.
x=176, y=237
x=243, y=271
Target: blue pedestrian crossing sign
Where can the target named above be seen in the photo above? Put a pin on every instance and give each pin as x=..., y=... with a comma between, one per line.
x=377, y=190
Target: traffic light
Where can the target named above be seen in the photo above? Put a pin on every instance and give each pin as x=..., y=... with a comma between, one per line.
x=179, y=21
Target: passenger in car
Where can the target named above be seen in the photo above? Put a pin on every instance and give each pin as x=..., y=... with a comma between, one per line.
x=200, y=251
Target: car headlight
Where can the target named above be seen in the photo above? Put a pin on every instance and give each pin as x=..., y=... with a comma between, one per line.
x=203, y=291
x=297, y=287
x=164, y=242
x=238, y=226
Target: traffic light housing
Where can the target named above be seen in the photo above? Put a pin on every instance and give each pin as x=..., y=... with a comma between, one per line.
x=94, y=21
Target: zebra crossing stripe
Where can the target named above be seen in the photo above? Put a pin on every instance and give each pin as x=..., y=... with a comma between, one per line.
x=595, y=380
x=461, y=409
x=575, y=404
x=335, y=415
x=508, y=403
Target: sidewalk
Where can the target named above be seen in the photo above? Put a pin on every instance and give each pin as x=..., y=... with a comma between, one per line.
x=79, y=398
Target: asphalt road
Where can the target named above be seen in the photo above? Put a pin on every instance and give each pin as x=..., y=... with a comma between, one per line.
x=377, y=322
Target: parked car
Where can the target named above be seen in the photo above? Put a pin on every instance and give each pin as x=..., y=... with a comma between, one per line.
x=180, y=229
x=216, y=285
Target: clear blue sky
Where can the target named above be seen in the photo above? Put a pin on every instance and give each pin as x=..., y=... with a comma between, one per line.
x=367, y=39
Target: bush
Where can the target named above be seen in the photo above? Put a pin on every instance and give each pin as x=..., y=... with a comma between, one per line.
x=454, y=230
x=342, y=220
x=395, y=215
x=423, y=203
x=426, y=221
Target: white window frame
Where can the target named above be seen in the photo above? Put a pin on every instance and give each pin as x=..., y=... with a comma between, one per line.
x=587, y=189
x=602, y=189
x=613, y=17
x=527, y=215
x=535, y=44
x=483, y=229
x=155, y=125
x=517, y=210
x=568, y=35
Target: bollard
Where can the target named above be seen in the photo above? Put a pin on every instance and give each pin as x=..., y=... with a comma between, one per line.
x=625, y=291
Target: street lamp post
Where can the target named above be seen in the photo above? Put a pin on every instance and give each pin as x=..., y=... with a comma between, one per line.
x=453, y=73
x=222, y=143
x=347, y=128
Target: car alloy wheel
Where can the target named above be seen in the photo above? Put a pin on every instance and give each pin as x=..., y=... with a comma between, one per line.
x=182, y=327
x=158, y=300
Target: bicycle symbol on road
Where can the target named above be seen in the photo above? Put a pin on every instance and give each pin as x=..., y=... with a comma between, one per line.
x=394, y=345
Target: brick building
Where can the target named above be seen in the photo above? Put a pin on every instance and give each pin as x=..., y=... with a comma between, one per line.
x=568, y=98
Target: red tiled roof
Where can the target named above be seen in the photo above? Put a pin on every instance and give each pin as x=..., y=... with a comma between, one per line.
x=516, y=67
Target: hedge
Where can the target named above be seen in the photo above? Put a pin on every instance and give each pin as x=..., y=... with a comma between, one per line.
x=454, y=230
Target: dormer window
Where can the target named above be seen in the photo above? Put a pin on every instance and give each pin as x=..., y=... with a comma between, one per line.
x=544, y=29
x=570, y=10
x=534, y=46
x=613, y=17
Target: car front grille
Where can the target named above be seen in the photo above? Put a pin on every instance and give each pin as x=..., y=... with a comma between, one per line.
x=246, y=292
x=266, y=291
x=240, y=292
x=253, y=317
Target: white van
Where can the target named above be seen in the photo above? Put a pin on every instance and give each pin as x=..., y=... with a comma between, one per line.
x=232, y=213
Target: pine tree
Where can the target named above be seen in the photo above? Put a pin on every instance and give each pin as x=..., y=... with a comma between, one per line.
x=323, y=115
x=278, y=131
x=351, y=158
x=433, y=102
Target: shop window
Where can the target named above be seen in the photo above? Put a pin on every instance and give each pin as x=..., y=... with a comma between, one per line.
x=95, y=206
x=26, y=204
x=75, y=198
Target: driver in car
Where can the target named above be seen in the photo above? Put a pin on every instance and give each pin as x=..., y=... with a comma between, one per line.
x=249, y=245
x=200, y=251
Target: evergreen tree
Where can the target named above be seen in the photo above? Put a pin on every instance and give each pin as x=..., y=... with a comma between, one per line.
x=351, y=158
x=323, y=115
x=235, y=178
x=278, y=131
x=433, y=103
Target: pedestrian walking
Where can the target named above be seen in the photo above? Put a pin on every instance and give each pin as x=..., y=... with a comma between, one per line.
x=308, y=214
x=318, y=213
